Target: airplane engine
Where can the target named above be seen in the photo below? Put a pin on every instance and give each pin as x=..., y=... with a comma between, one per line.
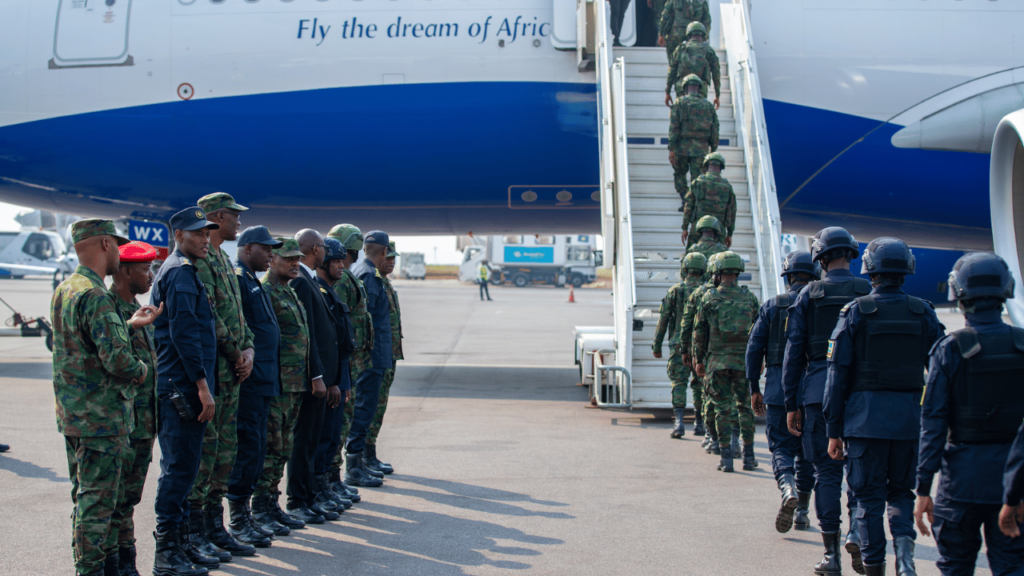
x=1006, y=194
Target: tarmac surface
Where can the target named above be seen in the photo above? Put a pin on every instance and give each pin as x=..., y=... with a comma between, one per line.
x=501, y=465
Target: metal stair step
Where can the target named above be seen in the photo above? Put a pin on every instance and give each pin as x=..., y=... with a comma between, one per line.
x=657, y=111
x=666, y=186
x=657, y=83
x=662, y=169
x=660, y=126
x=637, y=137
x=667, y=218
x=669, y=202
x=657, y=96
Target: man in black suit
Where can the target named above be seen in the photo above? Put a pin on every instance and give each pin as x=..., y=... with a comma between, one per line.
x=324, y=374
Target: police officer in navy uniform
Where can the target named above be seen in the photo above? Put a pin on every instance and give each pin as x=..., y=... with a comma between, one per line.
x=767, y=346
x=876, y=361
x=812, y=318
x=973, y=406
x=1011, y=516
x=186, y=345
x=255, y=251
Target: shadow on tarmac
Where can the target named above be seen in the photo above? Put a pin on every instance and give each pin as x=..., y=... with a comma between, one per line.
x=42, y=370
x=490, y=383
x=29, y=470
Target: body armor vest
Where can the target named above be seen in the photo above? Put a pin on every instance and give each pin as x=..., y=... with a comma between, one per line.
x=987, y=397
x=777, y=331
x=696, y=124
x=891, y=346
x=827, y=300
x=730, y=329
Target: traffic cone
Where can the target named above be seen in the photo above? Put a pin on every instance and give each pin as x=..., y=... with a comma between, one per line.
x=572, y=296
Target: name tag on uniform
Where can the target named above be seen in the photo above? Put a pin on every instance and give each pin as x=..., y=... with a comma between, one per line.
x=831, y=346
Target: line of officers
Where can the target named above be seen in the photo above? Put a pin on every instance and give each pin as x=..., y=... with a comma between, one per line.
x=237, y=378
x=847, y=394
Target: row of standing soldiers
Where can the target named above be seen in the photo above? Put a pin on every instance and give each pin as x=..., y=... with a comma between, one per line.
x=236, y=377
x=847, y=394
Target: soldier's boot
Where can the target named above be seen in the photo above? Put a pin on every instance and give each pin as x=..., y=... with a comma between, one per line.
x=736, y=441
x=725, y=462
x=329, y=515
x=874, y=569
x=802, y=520
x=274, y=506
x=749, y=462
x=698, y=427
x=213, y=521
x=170, y=558
x=262, y=515
x=853, y=543
x=324, y=497
x=366, y=466
x=340, y=487
x=371, y=461
x=680, y=430
x=196, y=532
x=97, y=572
x=110, y=564
x=904, y=548
x=126, y=556
x=339, y=497
x=188, y=546
x=256, y=526
x=713, y=448
x=790, y=502
x=239, y=527
x=356, y=475
x=832, y=562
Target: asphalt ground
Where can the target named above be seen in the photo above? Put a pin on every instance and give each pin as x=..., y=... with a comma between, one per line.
x=501, y=467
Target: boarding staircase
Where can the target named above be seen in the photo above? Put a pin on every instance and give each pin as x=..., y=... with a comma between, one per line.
x=641, y=220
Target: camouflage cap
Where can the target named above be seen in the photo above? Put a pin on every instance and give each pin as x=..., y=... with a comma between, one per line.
x=392, y=252
x=90, y=227
x=350, y=236
x=289, y=248
x=219, y=201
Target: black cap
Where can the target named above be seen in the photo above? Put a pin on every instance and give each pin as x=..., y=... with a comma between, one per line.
x=377, y=237
x=258, y=235
x=191, y=219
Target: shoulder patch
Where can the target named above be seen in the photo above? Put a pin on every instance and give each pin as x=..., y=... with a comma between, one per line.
x=831, y=347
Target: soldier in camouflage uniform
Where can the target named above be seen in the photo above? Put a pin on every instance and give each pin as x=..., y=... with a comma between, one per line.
x=720, y=336
x=673, y=305
x=284, y=408
x=134, y=277
x=710, y=195
x=96, y=376
x=709, y=231
x=693, y=132
x=234, y=364
x=389, y=375
x=676, y=17
x=694, y=57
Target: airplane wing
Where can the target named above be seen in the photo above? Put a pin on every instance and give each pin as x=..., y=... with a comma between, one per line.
x=21, y=269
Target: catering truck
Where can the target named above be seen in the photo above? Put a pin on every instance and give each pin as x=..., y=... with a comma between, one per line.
x=523, y=260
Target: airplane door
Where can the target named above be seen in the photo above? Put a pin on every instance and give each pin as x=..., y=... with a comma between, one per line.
x=91, y=33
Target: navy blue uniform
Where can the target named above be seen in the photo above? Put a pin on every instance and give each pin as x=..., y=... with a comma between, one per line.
x=803, y=387
x=186, y=346
x=257, y=391
x=1013, y=475
x=970, y=494
x=334, y=418
x=881, y=427
x=787, y=457
x=368, y=383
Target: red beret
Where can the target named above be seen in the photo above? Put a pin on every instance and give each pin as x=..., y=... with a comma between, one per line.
x=137, y=252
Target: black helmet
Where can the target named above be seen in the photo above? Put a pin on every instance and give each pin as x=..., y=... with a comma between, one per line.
x=833, y=238
x=799, y=261
x=980, y=275
x=334, y=250
x=887, y=256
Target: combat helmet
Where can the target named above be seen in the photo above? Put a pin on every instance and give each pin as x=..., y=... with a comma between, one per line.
x=694, y=261
x=713, y=262
x=334, y=250
x=350, y=236
x=730, y=262
x=692, y=79
x=712, y=223
x=980, y=275
x=696, y=28
x=831, y=239
x=799, y=262
x=714, y=157
x=887, y=255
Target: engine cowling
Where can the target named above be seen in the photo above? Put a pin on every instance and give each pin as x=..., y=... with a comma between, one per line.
x=1006, y=195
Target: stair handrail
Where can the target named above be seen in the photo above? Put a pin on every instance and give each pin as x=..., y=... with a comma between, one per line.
x=752, y=130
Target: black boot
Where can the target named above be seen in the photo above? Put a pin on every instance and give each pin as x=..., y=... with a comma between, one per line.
x=357, y=475
x=188, y=546
x=110, y=564
x=874, y=569
x=749, y=462
x=853, y=542
x=346, y=491
x=904, y=547
x=725, y=462
x=170, y=559
x=735, y=442
x=790, y=501
x=713, y=447
x=340, y=497
x=366, y=467
x=239, y=527
x=371, y=461
x=324, y=498
x=213, y=521
x=256, y=526
x=307, y=515
x=274, y=505
x=802, y=520
x=197, y=536
x=126, y=556
x=264, y=518
x=97, y=572
x=680, y=429
x=698, y=426
x=832, y=562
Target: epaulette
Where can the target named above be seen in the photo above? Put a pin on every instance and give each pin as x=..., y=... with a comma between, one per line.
x=238, y=270
x=376, y=273
x=846, y=308
x=186, y=262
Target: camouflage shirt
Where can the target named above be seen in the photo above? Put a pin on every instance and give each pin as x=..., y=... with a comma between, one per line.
x=678, y=14
x=707, y=247
x=142, y=346
x=693, y=127
x=396, y=320
x=233, y=336
x=698, y=58
x=722, y=327
x=685, y=340
x=294, y=344
x=710, y=195
x=671, y=312
x=352, y=292
x=93, y=363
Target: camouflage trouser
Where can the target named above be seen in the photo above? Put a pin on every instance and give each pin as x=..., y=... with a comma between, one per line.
x=731, y=393
x=382, y=405
x=686, y=164
x=133, y=478
x=284, y=409
x=358, y=364
x=220, y=443
x=95, y=467
x=678, y=374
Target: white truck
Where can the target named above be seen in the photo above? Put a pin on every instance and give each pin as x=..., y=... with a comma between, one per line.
x=538, y=259
x=413, y=266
